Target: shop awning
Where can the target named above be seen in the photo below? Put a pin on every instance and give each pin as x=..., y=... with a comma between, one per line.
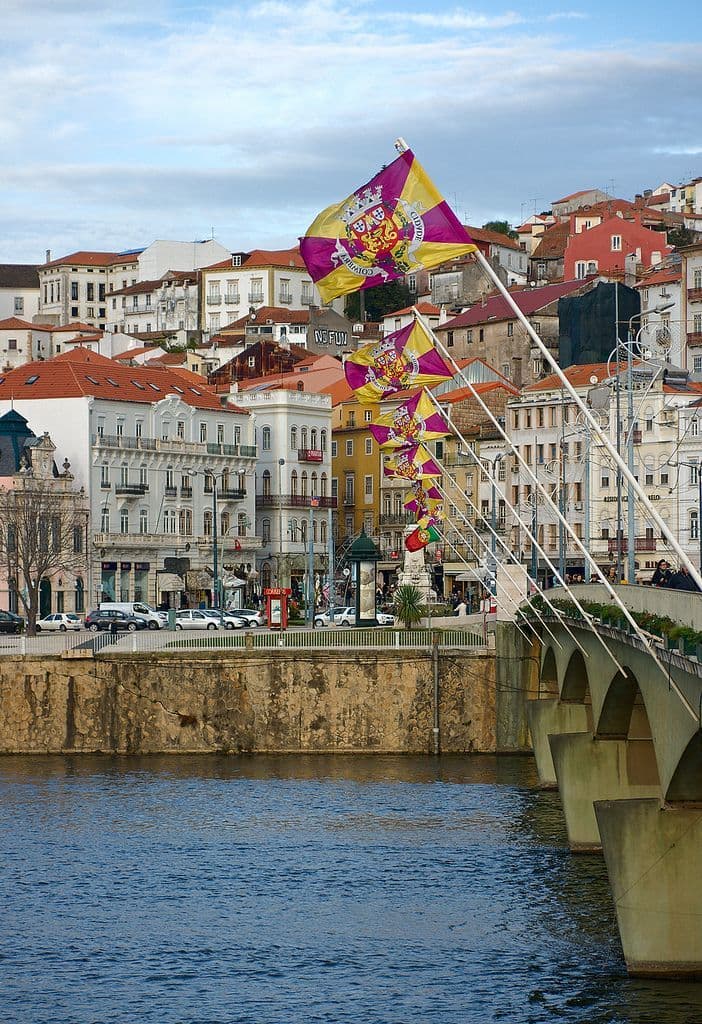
x=232, y=582
x=198, y=579
x=170, y=582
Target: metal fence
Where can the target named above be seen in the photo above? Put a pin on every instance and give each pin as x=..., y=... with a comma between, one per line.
x=223, y=640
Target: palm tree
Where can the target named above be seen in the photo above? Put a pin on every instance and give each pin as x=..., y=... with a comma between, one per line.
x=409, y=605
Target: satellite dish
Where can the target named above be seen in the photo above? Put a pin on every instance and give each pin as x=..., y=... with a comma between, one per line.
x=593, y=379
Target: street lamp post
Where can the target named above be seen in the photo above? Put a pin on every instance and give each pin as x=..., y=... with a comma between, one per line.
x=493, y=522
x=631, y=510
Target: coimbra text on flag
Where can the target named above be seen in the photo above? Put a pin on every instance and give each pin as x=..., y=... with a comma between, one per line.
x=396, y=224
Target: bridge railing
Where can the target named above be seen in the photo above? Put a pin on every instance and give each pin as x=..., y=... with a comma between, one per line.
x=86, y=644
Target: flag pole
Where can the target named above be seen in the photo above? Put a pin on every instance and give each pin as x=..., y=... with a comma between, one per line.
x=625, y=611
x=619, y=462
x=534, y=540
x=513, y=558
x=509, y=553
x=514, y=604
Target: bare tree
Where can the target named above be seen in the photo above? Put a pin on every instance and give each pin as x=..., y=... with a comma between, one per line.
x=43, y=525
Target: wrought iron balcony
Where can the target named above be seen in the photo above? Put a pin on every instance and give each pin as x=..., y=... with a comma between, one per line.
x=694, y=294
x=234, y=493
x=292, y=501
x=231, y=298
x=640, y=544
x=130, y=490
x=214, y=300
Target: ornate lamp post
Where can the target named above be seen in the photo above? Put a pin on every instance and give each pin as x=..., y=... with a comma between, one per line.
x=364, y=556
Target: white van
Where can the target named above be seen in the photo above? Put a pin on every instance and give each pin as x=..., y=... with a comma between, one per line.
x=143, y=611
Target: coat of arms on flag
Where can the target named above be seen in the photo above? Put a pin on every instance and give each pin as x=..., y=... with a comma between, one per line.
x=396, y=223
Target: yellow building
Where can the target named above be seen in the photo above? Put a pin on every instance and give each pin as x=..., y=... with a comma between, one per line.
x=355, y=471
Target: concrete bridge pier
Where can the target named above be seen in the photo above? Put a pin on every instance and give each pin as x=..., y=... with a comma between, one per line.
x=589, y=769
x=652, y=853
x=545, y=717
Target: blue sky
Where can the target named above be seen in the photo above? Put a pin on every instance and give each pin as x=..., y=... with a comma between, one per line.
x=175, y=119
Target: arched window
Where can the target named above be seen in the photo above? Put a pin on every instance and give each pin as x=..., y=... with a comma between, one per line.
x=105, y=521
x=314, y=531
x=224, y=523
x=300, y=386
x=169, y=521
x=124, y=520
x=323, y=532
x=293, y=438
x=303, y=438
x=323, y=485
x=313, y=485
x=185, y=521
x=293, y=530
x=303, y=531
x=303, y=480
x=266, y=482
x=648, y=419
x=207, y=522
x=225, y=479
x=313, y=438
x=266, y=531
x=266, y=439
x=241, y=521
x=323, y=440
x=143, y=521
x=79, y=596
x=293, y=482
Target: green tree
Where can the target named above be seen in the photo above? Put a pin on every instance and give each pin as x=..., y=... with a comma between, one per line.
x=502, y=227
x=681, y=236
x=409, y=606
x=386, y=298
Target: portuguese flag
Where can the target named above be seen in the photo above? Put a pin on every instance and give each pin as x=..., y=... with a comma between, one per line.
x=421, y=537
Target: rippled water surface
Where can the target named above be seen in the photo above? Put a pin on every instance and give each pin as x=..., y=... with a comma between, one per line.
x=379, y=890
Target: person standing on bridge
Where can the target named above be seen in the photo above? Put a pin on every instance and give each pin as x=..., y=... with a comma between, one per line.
x=682, y=580
x=662, y=575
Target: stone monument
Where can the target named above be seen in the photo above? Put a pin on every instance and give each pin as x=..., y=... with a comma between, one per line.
x=414, y=572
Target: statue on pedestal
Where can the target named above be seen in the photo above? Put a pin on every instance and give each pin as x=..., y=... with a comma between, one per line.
x=414, y=572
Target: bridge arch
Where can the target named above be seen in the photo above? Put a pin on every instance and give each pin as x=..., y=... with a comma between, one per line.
x=623, y=714
x=575, y=687
x=548, y=683
x=686, y=783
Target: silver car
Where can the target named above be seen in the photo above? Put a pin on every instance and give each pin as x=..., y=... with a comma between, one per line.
x=193, y=618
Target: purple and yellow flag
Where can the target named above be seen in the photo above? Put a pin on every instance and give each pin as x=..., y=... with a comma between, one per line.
x=414, y=421
x=405, y=359
x=394, y=225
x=412, y=464
x=425, y=501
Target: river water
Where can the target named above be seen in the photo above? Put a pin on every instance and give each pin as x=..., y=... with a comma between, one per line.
x=382, y=890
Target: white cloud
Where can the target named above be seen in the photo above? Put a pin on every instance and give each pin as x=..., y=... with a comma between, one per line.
x=250, y=115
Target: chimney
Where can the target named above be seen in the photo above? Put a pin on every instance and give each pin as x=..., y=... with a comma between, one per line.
x=48, y=256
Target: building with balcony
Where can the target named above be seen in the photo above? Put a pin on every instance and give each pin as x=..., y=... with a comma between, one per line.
x=691, y=305
x=356, y=477
x=167, y=306
x=294, y=499
x=159, y=458
x=246, y=281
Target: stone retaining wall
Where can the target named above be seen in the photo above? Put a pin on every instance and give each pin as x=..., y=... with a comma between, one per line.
x=368, y=701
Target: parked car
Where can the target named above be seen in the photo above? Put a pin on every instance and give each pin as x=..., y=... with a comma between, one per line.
x=59, y=620
x=385, y=619
x=253, y=616
x=154, y=619
x=114, y=619
x=331, y=616
x=193, y=618
x=229, y=620
x=11, y=623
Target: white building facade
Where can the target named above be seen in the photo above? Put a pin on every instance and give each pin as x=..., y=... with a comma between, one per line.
x=161, y=462
x=294, y=500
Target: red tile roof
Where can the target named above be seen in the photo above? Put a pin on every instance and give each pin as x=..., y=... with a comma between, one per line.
x=74, y=327
x=553, y=242
x=573, y=195
x=669, y=275
x=481, y=388
x=579, y=376
x=81, y=372
x=529, y=300
x=425, y=308
x=14, y=323
x=264, y=258
x=275, y=314
x=491, y=237
x=93, y=259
